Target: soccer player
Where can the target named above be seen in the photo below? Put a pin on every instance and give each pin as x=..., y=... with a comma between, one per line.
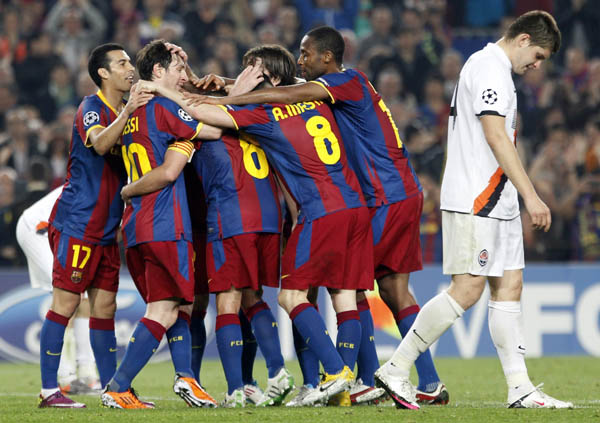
x=77, y=369
x=84, y=220
x=243, y=242
x=157, y=231
x=482, y=231
x=388, y=182
x=330, y=245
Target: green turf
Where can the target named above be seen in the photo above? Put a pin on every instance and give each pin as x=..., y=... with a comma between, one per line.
x=477, y=392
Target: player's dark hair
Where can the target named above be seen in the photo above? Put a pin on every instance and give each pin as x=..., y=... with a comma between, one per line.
x=152, y=53
x=327, y=38
x=99, y=59
x=541, y=28
x=276, y=59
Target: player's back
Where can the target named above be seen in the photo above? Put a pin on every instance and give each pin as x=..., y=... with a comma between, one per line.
x=151, y=130
x=90, y=206
x=241, y=191
x=303, y=143
x=374, y=147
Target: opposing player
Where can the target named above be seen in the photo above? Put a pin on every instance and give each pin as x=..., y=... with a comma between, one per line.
x=84, y=220
x=482, y=231
x=330, y=246
x=77, y=370
x=388, y=182
x=157, y=231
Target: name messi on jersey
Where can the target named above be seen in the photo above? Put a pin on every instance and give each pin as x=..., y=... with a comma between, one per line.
x=280, y=113
x=132, y=125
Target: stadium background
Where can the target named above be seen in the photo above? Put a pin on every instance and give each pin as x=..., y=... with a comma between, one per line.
x=412, y=51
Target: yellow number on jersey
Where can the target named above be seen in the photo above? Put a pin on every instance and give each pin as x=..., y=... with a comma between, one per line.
x=387, y=112
x=320, y=129
x=130, y=164
x=255, y=160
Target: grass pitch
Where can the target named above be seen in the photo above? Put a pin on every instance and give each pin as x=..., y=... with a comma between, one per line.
x=477, y=394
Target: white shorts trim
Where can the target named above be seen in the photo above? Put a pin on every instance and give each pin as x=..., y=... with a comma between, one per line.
x=481, y=245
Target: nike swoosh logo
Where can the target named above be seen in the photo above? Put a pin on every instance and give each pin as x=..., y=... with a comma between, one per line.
x=521, y=348
x=51, y=353
x=112, y=350
x=539, y=403
x=419, y=336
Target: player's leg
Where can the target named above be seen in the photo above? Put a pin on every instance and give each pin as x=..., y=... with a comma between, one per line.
x=307, y=359
x=64, y=304
x=198, y=331
x=280, y=381
x=393, y=289
x=252, y=391
x=87, y=381
x=230, y=344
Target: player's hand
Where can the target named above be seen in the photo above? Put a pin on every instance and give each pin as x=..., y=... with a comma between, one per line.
x=539, y=212
x=139, y=95
x=177, y=50
x=210, y=82
x=248, y=80
x=126, y=198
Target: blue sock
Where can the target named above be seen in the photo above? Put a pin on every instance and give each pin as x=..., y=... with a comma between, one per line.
x=249, y=350
x=367, y=360
x=104, y=345
x=198, y=331
x=311, y=327
x=51, y=343
x=180, y=345
x=428, y=377
x=267, y=335
x=309, y=363
x=142, y=344
x=230, y=344
x=348, y=336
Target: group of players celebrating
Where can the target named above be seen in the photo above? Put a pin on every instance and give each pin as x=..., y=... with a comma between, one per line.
x=205, y=213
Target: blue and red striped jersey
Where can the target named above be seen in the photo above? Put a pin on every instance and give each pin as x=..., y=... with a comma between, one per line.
x=374, y=147
x=304, y=145
x=90, y=207
x=151, y=130
x=240, y=188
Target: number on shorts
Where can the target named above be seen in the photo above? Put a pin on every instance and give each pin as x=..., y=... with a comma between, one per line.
x=325, y=141
x=76, y=249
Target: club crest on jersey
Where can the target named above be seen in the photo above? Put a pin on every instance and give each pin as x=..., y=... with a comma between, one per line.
x=483, y=257
x=489, y=96
x=91, y=117
x=183, y=115
x=76, y=276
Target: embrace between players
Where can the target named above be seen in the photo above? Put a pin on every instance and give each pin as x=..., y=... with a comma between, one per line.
x=330, y=147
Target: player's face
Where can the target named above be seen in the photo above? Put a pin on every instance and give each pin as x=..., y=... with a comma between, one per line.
x=121, y=70
x=310, y=60
x=175, y=75
x=530, y=57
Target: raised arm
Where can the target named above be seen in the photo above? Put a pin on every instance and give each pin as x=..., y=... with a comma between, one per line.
x=103, y=139
x=506, y=154
x=287, y=95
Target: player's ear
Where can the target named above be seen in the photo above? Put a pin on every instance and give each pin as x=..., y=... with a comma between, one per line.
x=104, y=73
x=275, y=80
x=157, y=70
x=523, y=40
x=327, y=56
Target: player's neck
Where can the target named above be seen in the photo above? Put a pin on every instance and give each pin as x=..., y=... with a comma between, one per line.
x=113, y=96
x=507, y=47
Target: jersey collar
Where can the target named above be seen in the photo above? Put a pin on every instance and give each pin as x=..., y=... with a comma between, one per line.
x=497, y=51
x=105, y=101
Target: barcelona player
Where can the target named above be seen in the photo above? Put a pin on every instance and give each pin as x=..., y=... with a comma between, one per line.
x=327, y=246
x=84, y=220
x=157, y=231
x=388, y=182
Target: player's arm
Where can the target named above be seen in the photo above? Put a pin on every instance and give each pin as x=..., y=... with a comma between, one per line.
x=103, y=139
x=157, y=178
x=287, y=95
x=210, y=115
x=508, y=158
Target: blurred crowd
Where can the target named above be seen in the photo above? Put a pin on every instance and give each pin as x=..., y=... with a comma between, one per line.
x=412, y=50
